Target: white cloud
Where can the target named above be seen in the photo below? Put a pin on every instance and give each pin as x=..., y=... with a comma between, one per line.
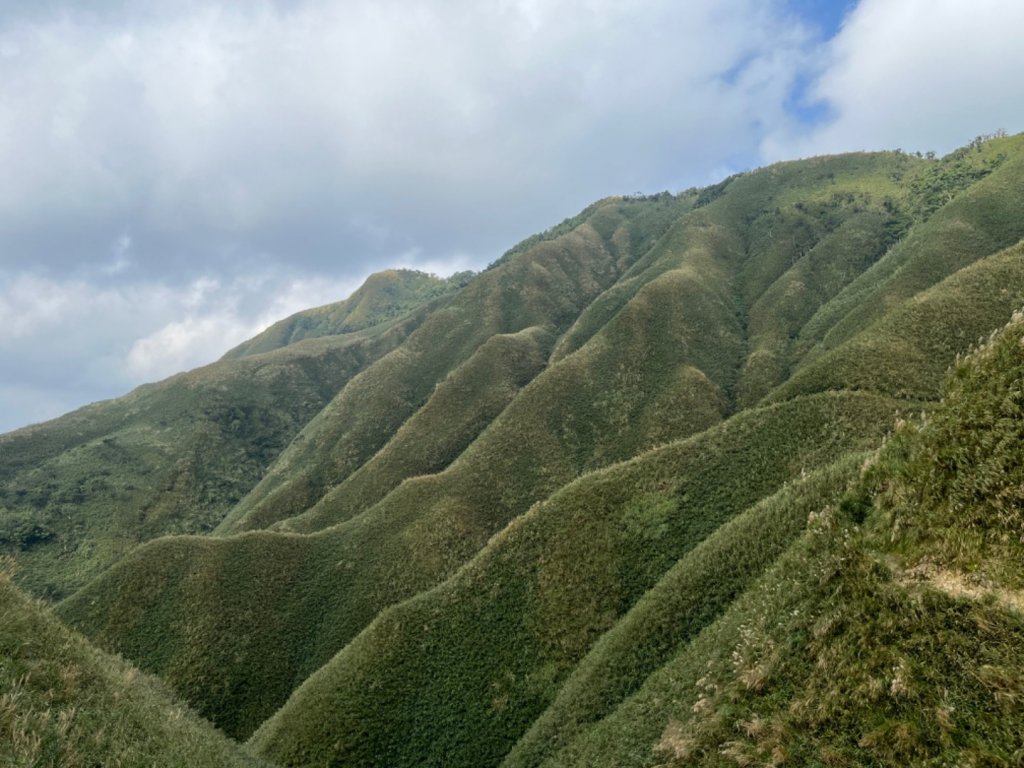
x=182, y=174
x=72, y=341
x=211, y=319
x=320, y=131
x=917, y=74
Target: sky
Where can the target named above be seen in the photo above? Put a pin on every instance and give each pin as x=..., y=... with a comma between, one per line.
x=180, y=174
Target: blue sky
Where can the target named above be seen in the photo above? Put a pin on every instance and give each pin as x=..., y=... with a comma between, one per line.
x=189, y=172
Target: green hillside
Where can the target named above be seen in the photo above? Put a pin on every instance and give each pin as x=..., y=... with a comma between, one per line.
x=889, y=634
x=64, y=704
x=683, y=479
x=79, y=492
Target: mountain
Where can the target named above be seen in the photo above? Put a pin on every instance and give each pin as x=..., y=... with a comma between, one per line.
x=715, y=477
x=379, y=302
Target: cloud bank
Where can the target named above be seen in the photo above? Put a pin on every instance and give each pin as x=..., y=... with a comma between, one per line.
x=182, y=174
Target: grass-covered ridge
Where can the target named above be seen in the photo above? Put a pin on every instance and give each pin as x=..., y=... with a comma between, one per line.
x=490, y=646
x=79, y=492
x=384, y=298
x=64, y=704
x=517, y=522
x=889, y=634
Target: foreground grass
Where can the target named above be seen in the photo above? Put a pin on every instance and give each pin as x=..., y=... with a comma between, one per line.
x=890, y=634
x=67, y=705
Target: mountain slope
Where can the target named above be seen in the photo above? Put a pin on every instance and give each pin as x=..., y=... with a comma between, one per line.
x=895, y=642
x=63, y=703
x=78, y=492
x=518, y=515
x=384, y=298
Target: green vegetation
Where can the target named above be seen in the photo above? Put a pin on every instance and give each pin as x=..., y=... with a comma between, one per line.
x=79, y=492
x=616, y=500
x=382, y=299
x=893, y=643
x=63, y=704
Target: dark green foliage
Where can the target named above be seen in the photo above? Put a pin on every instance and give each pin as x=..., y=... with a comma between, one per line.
x=942, y=181
x=984, y=218
x=906, y=353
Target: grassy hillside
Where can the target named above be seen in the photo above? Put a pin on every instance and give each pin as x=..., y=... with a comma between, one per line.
x=488, y=649
x=79, y=492
x=499, y=521
x=652, y=373
x=64, y=704
x=515, y=295
x=890, y=634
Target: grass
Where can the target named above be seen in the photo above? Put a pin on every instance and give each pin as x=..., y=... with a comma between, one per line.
x=63, y=703
x=691, y=594
x=461, y=406
x=369, y=411
x=272, y=609
x=79, y=492
x=851, y=650
x=384, y=297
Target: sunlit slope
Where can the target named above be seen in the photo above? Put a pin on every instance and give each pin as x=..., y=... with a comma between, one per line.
x=546, y=286
x=469, y=480
x=906, y=352
x=454, y=676
x=668, y=363
x=78, y=492
x=661, y=368
x=940, y=322
x=966, y=206
x=890, y=634
x=690, y=596
x=65, y=704
x=675, y=323
x=384, y=298
x=462, y=405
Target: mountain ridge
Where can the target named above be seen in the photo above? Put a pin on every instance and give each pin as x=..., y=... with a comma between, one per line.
x=502, y=514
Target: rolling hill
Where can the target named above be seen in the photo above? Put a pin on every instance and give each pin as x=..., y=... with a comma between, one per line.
x=730, y=476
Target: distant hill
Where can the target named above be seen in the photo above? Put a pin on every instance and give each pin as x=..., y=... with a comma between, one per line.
x=723, y=477
x=382, y=299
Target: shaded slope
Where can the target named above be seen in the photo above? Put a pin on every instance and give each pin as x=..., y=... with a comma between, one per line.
x=383, y=298
x=873, y=644
x=64, y=703
x=79, y=491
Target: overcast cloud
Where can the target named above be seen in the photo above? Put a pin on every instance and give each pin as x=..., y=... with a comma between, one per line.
x=179, y=178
